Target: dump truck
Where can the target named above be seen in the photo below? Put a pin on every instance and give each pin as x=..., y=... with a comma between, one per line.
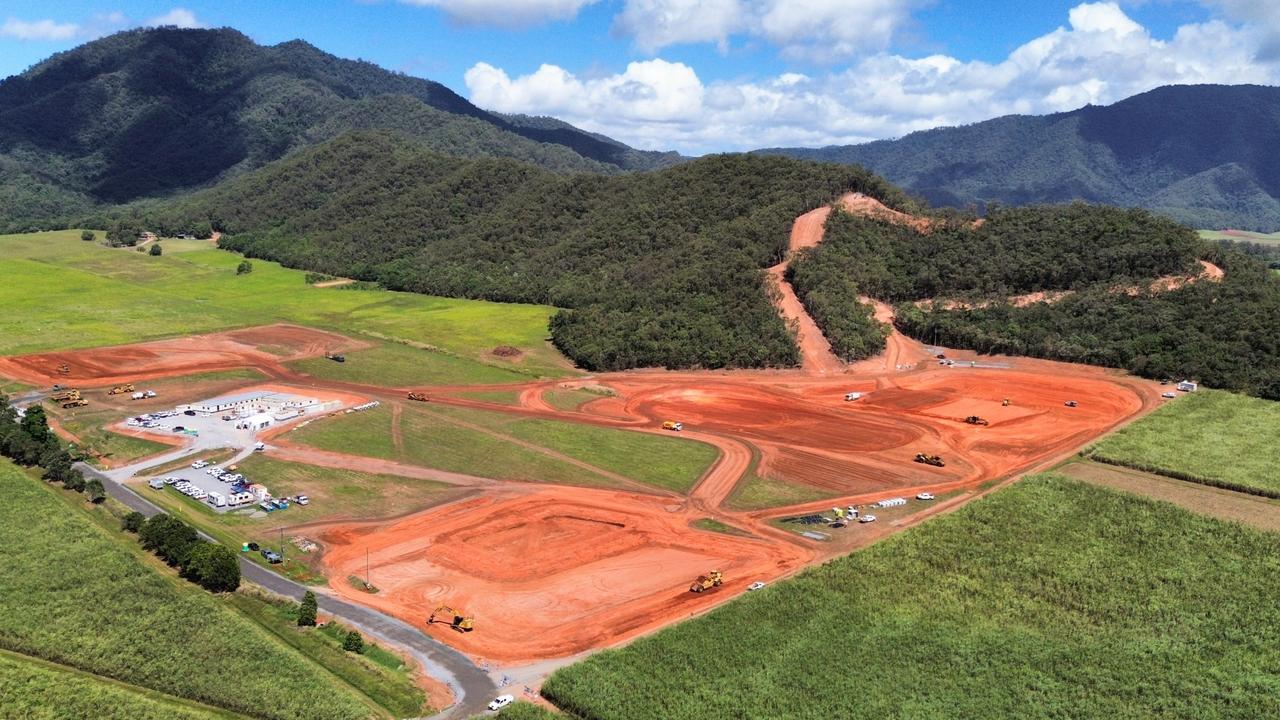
x=934, y=460
x=712, y=579
x=78, y=402
x=673, y=426
x=121, y=389
x=66, y=395
x=417, y=396
x=456, y=619
x=975, y=420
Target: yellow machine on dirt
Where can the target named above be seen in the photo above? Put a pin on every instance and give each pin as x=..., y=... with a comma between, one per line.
x=417, y=397
x=66, y=395
x=456, y=620
x=78, y=402
x=121, y=389
x=975, y=420
x=64, y=369
x=705, y=582
x=673, y=426
x=934, y=460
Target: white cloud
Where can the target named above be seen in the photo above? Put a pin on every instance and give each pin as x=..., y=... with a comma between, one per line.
x=510, y=14
x=38, y=29
x=813, y=29
x=178, y=17
x=1099, y=57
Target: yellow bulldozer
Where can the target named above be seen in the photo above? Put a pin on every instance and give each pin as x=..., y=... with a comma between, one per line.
x=121, y=389
x=78, y=402
x=64, y=369
x=975, y=420
x=417, y=396
x=712, y=579
x=456, y=619
x=934, y=460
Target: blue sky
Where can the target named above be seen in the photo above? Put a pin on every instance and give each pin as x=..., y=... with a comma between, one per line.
x=706, y=75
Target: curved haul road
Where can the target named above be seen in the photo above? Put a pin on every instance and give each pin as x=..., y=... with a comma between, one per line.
x=472, y=687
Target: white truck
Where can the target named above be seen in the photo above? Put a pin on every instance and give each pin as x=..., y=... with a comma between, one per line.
x=851, y=396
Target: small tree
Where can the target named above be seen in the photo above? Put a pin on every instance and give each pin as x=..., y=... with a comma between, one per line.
x=354, y=643
x=307, y=610
x=88, y=236
x=244, y=268
x=75, y=481
x=94, y=490
x=213, y=567
x=133, y=521
x=156, y=251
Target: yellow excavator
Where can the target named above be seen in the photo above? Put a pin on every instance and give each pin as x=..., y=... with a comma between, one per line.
x=713, y=579
x=419, y=397
x=934, y=460
x=121, y=389
x=455, y=618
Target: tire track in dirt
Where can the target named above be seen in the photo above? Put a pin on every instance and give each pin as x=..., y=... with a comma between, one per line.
x=397, y=431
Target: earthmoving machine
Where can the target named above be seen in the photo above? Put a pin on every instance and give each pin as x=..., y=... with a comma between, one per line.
x=934, y=460
x=456, y=620
x=66, y=395
x=78, y=402
x=975, y=420
x=673, y=425
x=64, y=369
x=121, y=389
x=1071, y=403
x=713, y=579
x=417, y=396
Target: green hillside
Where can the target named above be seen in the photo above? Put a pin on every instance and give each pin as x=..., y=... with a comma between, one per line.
x=1205, y=155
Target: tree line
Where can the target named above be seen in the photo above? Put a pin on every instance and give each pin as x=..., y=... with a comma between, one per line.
x=212, y=566
x=29, y=442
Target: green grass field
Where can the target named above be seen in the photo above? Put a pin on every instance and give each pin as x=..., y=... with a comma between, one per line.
x=446, y=438
x=1217, y=438
x=63, y=293
x=395, y=365
x=1048, y=599
x=80, y=595
x=34, y=690
x=759, y=493
x=1253, y=237
x=571, y=399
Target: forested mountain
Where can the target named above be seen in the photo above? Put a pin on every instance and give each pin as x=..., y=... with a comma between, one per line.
x=1204, y=155
x=660, y=268
x=157, y=111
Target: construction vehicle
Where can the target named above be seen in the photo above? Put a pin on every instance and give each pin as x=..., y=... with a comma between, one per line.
x=975, y=420
x=66, y=395
x=934, y=460
x=456, y=620
x=78, y=402
x=64, y=369
x=1071, y=403
x=713, y=579
x=417, y=396
x=121, y=389
x=673, y=425
x=1007, y=402
x=335, y=358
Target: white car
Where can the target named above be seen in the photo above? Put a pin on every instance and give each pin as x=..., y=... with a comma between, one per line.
x=867, y=518
x=303, y=500
x=1169, y=395
x=755, y=585
x=501, y=701
x=925, y=496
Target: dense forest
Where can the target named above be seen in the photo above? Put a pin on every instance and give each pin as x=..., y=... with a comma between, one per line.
x=653, y=269
x=1205, y=155
x=1225, y=334
x=158, y=111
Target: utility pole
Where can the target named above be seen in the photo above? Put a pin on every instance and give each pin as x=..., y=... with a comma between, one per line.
x=367, y=581
x=281, y=545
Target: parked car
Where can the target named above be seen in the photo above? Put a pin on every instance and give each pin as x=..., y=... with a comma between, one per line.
x=157, y=484
x=199, y=464
x=272, y=556
x=757, y=585
x=501, y=701
x=1169, y=395
x=304, y=500
x=867, y=519
x=925, y=496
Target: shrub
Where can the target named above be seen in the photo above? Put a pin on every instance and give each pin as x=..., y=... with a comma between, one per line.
x=156, y=250
x=244, y=268
x=133, y=522
x=353, y=642
x=307, y=610
x=88, y=236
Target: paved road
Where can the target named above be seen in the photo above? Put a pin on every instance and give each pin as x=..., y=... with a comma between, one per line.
x=472, y=687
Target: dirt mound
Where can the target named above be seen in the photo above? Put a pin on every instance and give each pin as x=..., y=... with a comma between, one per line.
x=265, y=346
x=506, y=351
